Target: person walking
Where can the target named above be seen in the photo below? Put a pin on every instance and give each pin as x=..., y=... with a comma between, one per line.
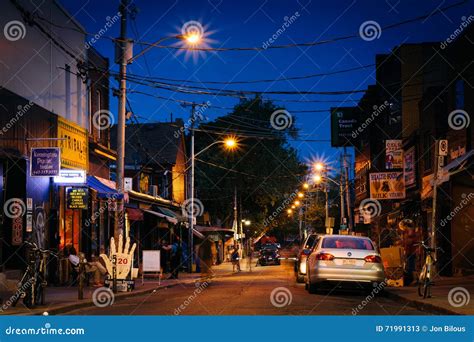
x=235, y=259
x=175, y=256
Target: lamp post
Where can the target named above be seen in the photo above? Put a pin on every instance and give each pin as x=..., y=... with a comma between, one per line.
x=318, y=179
x=229, y=143
x=124, y=56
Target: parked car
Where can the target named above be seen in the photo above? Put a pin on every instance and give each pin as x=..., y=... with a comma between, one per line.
x=344, y=259
x=269, y=257
x=303, y=252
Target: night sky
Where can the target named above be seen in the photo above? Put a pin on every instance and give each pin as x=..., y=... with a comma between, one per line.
x=246, y=23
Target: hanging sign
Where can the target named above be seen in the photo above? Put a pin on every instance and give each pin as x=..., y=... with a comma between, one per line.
x=77, y=197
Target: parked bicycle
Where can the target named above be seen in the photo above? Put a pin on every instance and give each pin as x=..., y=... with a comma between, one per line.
x=424, y=279
x=31, y=287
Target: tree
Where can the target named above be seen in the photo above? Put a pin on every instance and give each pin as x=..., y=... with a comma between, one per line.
x=264, y=169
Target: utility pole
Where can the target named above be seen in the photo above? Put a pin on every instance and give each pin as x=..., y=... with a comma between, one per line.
x=341, y=192
x=235, y=225
x=191, y=223
x=123, y=51
x=348, y=193
x=437, y=155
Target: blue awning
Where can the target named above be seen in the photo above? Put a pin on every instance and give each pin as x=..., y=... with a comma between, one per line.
x=103, y=191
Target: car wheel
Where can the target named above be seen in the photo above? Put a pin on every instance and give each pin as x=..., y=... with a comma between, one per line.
x=312, y=288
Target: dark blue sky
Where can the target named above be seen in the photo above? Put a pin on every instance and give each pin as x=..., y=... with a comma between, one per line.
x=247, y=23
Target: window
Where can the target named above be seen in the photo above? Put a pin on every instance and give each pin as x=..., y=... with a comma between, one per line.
x=347, y=243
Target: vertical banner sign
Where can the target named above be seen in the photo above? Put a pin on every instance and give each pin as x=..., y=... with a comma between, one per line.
x=409, y=167
x=73, y=145
x=45, y=162
x=344, y=126
x=393, y=154
x=387, y=185
x=29, y=215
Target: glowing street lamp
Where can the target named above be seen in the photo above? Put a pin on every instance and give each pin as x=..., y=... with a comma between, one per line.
x=319, y=166
x=300, y=195
x=317, y=178
x=297, y=203
x=230, y=143
x=305, y=186
x=289, y=211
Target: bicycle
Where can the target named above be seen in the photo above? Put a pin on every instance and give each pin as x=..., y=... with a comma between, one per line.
x=424, y=279
x=31, y=287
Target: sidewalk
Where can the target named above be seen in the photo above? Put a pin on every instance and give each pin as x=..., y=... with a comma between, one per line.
x=60, y=300
x=458, y=303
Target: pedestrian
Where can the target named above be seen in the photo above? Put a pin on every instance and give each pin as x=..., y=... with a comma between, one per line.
x=235, y=257
x=175, y=256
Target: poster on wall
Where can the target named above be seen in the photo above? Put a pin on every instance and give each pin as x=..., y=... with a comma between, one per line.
x=393, y=154
x=409, y=167
x=387, y=185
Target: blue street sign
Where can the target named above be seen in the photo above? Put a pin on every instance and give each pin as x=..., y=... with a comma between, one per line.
x=45, y=162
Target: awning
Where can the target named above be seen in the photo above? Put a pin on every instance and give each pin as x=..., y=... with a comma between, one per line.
x=204, y=229
x=134, y=214
x=103, y=191
x=168, y=218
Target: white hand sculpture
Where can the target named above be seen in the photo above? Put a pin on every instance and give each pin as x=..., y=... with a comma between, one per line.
x=124, y=257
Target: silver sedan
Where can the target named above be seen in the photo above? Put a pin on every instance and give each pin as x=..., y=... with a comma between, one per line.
x=344, y=259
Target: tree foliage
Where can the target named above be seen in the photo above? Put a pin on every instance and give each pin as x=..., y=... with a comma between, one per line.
x=264, y=169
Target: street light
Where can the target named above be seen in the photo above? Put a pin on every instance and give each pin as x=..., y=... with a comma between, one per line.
x=305, y=186
x=317, y=178
x=300, y=195
x=319, y=166
x=229, y=143
x=289, y=211
x=297, y=203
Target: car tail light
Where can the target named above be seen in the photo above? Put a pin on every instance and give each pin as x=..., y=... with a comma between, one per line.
x=373, y=258
x=324, y=256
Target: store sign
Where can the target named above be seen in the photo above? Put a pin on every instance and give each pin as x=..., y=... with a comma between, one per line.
x=344, y=124
x=77, y=197
x=73, y=144
x=387, y=185
x=44, y=162
x=71, y=177
x=409, y=167
x=17, y=231
x=393, y=154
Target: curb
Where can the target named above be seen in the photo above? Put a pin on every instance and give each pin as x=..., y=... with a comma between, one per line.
x=420, y=305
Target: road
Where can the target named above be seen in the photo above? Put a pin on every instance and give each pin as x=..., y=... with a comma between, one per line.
x=250, y=293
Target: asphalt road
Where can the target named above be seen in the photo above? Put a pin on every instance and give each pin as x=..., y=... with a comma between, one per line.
x=250, y=293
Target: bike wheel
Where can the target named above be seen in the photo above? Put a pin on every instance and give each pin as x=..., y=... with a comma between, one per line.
x=421, y=282
x=426, y=288
x=28, y=299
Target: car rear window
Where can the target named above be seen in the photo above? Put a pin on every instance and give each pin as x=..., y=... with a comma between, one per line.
x=347, y=243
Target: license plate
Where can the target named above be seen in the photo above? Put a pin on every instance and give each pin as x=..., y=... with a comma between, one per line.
x=348, y=262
